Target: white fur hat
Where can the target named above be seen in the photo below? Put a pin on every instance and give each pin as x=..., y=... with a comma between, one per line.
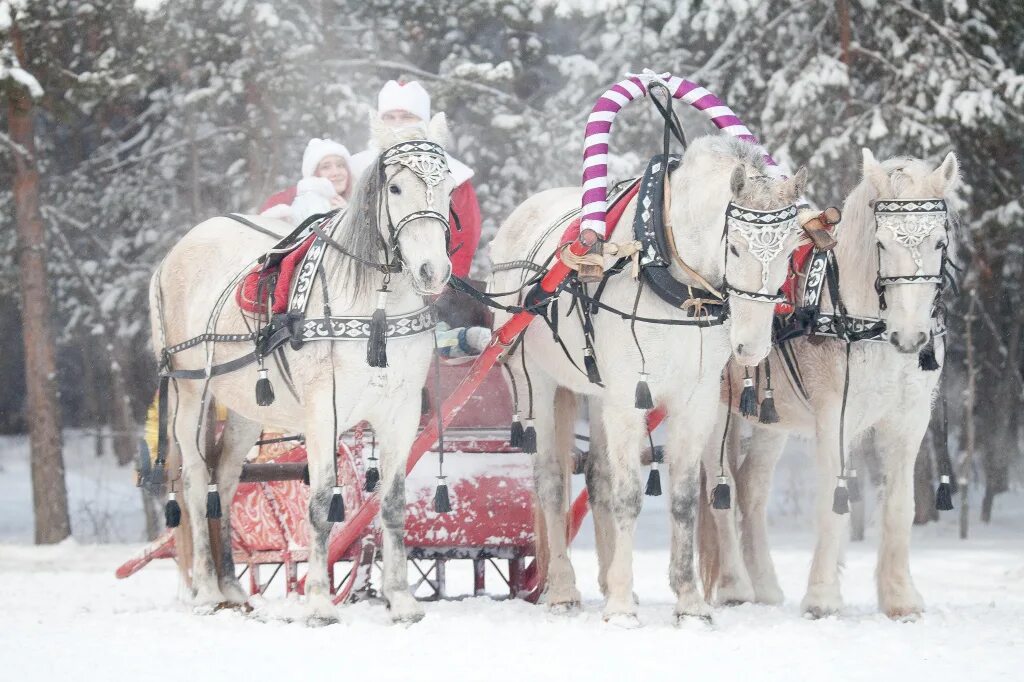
x=315, y=152
x=411, y=97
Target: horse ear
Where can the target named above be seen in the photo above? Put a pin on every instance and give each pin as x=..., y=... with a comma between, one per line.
x=800, y=182
x=874, y=172
x=738, y=180
x=437, y=130
x=947, y=175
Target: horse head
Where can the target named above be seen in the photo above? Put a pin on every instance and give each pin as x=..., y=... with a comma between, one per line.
x=911, y=232
x=760, y=234
x=414, y=187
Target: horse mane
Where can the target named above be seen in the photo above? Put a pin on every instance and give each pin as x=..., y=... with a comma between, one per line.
x=360, y=233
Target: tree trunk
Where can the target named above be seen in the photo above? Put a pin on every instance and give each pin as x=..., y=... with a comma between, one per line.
x=126, y=431
x=49, y=494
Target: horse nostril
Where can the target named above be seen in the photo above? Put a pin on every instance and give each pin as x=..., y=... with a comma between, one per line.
x=894, y=339
x=739, y=349
x=426, y=272
x=922, y=339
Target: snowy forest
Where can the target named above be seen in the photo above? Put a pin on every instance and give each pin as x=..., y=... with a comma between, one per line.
x=126, y=122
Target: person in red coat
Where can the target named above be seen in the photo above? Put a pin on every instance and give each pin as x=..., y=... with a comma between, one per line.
x=326, y=183
x=405, y=104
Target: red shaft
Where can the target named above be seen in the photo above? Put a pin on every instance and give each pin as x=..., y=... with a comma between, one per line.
x=501, y=339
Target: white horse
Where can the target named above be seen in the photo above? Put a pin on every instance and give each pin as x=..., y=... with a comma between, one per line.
x=888, y=392
x=399, y=215
x=683, y=362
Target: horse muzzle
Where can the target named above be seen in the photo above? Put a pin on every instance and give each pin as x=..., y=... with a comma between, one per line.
x=430, y=280
x=910, y=342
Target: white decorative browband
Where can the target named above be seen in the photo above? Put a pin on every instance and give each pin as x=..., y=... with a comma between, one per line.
x=911, y=221
x=426, y=159
x=764, y=231
x=358, y=328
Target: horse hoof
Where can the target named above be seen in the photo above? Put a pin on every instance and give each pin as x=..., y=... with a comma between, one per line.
x=704, y=620
x=769, y=596
x=233, y=592
x=906, y=614
x=734, y=595
x=819, y=612
x=405, y=609
x=626, y=621
x=564, y=608
x=229, y=605
x=321, y=621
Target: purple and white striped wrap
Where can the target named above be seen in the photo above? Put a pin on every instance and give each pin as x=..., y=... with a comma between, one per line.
x=599, y=125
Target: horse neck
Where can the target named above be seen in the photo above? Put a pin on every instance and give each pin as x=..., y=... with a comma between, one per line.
x=857, y=255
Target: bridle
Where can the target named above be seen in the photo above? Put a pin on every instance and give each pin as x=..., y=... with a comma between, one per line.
x=765, y=233
x=428, y=161
x=911, y=221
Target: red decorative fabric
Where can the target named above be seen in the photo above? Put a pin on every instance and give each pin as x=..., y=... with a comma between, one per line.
x=790, y=288
x=465, y=204
x=246, y=294
x=285, y=196
x=612, y=219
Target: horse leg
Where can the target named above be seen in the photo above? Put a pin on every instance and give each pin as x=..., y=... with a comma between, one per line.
x=899, y=440
x=823, y=596
x=753, y=484
x=321, y=451
x=396, y=437
x=621, y=496
x=238, y=437
x=551, y=481
x=690, y=434
x=597, y=477
x=732, y=585
x=190, y=426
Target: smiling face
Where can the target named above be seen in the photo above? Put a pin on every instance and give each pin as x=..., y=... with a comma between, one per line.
x=335, y=169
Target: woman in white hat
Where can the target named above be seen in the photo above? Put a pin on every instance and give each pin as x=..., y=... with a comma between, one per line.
x=401, y=104
x=326, y=183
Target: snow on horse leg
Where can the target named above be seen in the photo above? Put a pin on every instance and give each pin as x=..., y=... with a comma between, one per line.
x=823, y=597
x=190, y=426
x=551, y=478
x=625, y=432
x=898, y=441
x=395, y=434
x=753, y=485
x=731, y=584
x=237, y=439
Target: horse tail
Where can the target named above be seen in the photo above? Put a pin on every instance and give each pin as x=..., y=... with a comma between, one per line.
x=707, y=540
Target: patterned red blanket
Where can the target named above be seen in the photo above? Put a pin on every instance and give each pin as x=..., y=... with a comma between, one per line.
x=248, y=295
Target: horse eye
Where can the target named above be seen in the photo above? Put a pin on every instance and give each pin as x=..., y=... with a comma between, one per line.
x=940, y=245
x=395, y=189
x=734, y=250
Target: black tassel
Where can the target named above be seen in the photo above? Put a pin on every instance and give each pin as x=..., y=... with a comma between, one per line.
x=305, y=474
x=264, y=390
x=653, y=488
x=944, y=495
x=336, y=512
x=376, y=347
x=721, y=496
x=529, y=438
x=853, y=485
x=642, y=399
x=748, y=398
x=515, y=435
x=442, y=503
x=841, y=497
x=172, y=511
x=769, y=415
x=372, y=476
x=213, y=510
x=424, y=401
x=590, y=363
x=926, y=359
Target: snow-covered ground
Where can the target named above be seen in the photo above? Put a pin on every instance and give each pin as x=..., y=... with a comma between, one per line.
x=63, y=615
